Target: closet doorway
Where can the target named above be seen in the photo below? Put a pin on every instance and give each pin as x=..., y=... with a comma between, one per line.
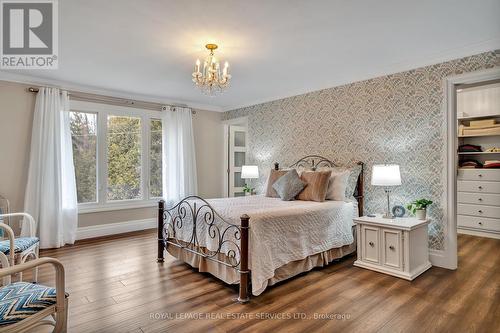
x=472, y=192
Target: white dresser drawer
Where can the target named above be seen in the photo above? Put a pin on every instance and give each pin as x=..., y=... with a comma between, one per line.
x=478, y=187
x=479, y=174
x=478, y=210
x=370, y=238
x=478, y=198
x=482, y=223
x=392, y=249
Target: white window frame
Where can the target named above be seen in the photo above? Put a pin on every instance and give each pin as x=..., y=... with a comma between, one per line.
x=103, y=111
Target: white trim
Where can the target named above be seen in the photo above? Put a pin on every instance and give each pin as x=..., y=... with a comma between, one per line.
x=439, y=259
x=39, y=81
x=116, y=205
x=448, y=257
x=114, y=228
x=103, y=111
x=490, y=234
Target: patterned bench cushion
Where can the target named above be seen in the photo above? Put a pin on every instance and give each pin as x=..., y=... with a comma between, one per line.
x=20, y=300
x=20, y=244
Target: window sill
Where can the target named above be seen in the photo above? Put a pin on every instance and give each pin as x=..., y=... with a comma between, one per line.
x=122, y=205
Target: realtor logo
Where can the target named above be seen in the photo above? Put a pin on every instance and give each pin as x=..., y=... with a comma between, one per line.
x=29, y=34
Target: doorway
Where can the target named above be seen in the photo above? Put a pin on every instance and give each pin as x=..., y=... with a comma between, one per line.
x=448, y=256
x=235, y=155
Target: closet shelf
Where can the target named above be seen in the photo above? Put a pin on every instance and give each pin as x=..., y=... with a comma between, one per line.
x=478, y=117
x=478, y=153
x=477, y=136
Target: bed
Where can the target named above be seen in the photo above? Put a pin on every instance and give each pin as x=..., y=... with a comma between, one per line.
x=259, y=239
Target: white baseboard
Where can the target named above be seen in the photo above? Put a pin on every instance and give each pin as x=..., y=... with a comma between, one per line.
x=114, y=228
x=439, y=259
x=478, y=233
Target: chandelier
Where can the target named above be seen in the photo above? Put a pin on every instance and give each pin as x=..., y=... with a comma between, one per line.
x=210, y=79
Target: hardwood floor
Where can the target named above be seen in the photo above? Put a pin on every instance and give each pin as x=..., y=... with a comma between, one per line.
x=115, y=285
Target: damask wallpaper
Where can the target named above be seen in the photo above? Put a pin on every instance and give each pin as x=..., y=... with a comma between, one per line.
x=397, y=118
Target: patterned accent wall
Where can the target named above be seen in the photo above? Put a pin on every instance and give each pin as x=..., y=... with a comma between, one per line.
x=397, y=118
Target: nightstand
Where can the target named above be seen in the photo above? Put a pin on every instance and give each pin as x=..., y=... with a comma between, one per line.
x=398, y=246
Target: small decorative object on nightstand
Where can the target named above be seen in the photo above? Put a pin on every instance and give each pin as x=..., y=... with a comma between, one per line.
x=398, y=211
x=386, y=175
x=419, y=208
x=398, y=247
x=249, y=172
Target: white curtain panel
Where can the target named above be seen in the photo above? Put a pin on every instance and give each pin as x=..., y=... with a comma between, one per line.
x=51, y=190
x=179, y=160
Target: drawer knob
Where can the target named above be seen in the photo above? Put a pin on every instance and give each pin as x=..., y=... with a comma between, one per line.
x=391, y=247
x=480, y=223
x=480, y=211
x=371, y=244
x=480, y=175
x=480, y=187
x=480, y=199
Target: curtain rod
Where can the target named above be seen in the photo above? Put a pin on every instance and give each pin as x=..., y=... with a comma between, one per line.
x=87, y=97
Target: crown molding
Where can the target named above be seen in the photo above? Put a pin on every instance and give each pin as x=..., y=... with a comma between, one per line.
x=38, y=81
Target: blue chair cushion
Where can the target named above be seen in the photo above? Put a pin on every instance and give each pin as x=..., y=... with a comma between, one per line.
x=20, y=244
x=20, y=300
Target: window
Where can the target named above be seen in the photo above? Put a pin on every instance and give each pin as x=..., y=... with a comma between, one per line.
x=117, y=153
x=84, y=136
x=124, y=158
x=155, y=156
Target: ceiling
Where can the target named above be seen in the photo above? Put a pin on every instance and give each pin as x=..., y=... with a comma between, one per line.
x=276, y=48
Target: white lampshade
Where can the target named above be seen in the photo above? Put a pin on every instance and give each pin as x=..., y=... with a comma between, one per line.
x=386, y=175
x=249, y=171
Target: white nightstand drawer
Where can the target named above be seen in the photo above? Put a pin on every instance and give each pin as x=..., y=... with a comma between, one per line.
x=391, y=248
x=478, y=187
x=478, y=210
x=479, y=198
x=482, y=223
x=370, y=238
x=479, y=174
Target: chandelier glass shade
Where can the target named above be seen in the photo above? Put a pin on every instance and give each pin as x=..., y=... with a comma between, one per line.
x=210, y=78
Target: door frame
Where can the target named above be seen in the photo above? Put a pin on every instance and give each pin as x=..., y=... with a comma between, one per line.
x=447, y=258
x=240, y=121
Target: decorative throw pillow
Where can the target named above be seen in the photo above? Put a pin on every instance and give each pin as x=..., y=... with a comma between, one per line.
x=289, y=185
x=274, y=175
x=352, y=175
x=317, y=185
x=352, y=181
x=337, y=185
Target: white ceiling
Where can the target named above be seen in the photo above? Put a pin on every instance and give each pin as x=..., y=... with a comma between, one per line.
x=276, y=48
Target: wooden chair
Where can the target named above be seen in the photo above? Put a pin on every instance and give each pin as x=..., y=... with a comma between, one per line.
x=24, y=305
x=25, y=248
x=7, y=260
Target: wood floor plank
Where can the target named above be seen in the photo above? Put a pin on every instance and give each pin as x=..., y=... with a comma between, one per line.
x=115, y=285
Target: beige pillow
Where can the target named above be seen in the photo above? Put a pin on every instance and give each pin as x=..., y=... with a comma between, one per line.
x=317, y=185
x=274, y=175
x=338, y=184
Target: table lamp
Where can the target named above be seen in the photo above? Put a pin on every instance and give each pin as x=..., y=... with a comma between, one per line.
x=386, y=175
x=249, y=172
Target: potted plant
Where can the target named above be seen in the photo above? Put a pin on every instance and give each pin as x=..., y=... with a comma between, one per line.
x=248, y=190
x=419, y=208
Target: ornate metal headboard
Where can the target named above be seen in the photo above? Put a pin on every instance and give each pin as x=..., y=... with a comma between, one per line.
x=312, y=162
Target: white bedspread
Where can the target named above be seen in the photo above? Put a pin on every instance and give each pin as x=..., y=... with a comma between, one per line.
x=283, y=231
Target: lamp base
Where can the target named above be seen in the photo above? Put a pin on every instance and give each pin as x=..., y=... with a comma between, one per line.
x=385, y=216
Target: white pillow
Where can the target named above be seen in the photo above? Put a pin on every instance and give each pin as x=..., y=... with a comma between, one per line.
x=338, y=184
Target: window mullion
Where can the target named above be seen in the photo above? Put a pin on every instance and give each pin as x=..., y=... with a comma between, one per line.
x=102, y=160
x=145, y=157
